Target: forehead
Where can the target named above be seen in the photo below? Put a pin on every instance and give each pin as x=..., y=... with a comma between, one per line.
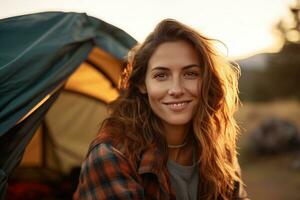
x=177, y=53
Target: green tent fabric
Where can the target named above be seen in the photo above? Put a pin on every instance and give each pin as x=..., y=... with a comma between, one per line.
x=38, y=52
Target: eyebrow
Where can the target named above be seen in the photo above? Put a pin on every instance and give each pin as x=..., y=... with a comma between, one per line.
x=166, y=68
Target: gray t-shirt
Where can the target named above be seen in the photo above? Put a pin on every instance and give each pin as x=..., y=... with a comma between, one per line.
x=184, y=180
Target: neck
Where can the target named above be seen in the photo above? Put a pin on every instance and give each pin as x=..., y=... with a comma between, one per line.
x=176, y=135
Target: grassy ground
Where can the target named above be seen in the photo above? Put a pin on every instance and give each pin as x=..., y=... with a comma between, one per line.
x=272, y=178
x=268, y=177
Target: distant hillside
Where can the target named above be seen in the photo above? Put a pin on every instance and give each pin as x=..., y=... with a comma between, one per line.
x=271, y=76
x=258, y=61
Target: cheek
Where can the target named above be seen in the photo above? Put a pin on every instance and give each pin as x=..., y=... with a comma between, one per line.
x=155, y=92
x=194, y=88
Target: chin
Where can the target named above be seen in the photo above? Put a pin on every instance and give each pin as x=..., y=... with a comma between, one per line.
x=178, y=122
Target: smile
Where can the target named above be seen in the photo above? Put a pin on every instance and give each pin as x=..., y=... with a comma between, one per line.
x=177, y=106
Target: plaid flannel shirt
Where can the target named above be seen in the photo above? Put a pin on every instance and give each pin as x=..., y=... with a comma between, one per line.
x=107, y=174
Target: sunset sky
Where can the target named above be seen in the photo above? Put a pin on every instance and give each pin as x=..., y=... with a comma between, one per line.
x=245, y=26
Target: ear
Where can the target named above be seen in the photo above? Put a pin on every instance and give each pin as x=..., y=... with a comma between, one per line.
x=142, y=89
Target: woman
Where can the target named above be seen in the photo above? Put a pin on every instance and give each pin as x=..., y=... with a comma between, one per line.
x=171, y=134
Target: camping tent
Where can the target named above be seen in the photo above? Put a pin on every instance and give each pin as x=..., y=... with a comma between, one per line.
x=58, y=71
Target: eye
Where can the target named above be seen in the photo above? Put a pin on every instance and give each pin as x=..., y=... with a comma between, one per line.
x=191, y=75
x=160, y=76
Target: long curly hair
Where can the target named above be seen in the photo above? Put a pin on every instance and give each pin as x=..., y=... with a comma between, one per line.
x=136, y=126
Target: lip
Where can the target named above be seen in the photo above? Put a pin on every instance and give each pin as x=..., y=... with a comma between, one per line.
x=177, y=105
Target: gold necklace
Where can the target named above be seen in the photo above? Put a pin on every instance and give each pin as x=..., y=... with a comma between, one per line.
x=186, y=139
x=178, y=146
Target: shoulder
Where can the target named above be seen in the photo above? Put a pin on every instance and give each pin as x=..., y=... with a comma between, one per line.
x=239, y=187
x=104, y=151
x=239, y=191
x=107, y=174
x=105, y=162
x=105, y=144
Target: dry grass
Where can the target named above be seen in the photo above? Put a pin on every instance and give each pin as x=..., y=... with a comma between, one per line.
x=251, y=114
x=268, y=177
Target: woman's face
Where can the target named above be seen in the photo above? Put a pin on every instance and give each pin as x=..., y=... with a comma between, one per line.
x=173, y=81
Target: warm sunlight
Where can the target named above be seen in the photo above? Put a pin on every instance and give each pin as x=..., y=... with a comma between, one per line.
x=90, y=108
x=246, y=27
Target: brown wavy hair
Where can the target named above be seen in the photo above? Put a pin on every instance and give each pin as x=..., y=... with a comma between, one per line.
x=136, y=126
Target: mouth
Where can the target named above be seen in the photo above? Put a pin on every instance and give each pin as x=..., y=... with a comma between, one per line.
x=177, y=106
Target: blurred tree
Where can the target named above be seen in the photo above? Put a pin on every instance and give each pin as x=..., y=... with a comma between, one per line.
x=283, y=72
x=279, y=78
x=289, y=28
x=283, y=69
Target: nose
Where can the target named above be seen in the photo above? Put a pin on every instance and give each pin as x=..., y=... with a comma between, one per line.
x=176, y=89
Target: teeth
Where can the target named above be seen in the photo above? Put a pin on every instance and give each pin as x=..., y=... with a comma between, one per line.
x=178, y=105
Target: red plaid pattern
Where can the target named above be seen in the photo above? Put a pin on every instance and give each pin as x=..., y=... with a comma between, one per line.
x=107, y=174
